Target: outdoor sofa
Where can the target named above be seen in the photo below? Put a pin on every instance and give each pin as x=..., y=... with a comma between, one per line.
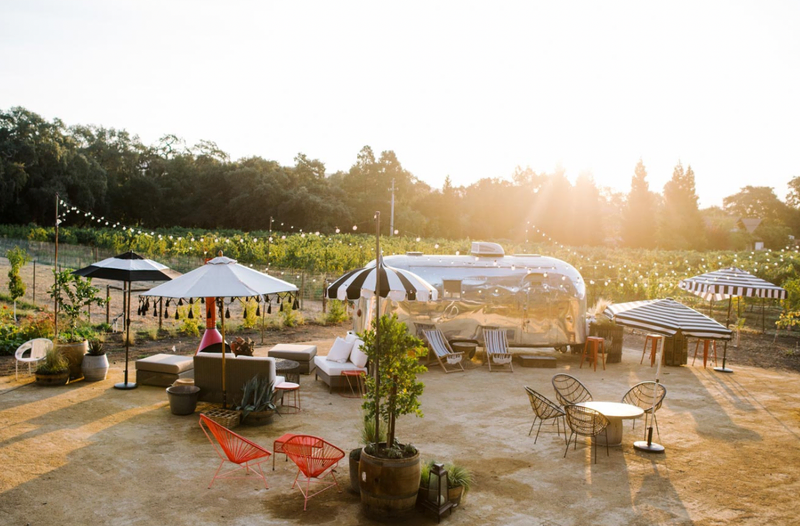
x=238, y=370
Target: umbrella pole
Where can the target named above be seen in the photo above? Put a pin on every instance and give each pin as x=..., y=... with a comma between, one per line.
x=377, y=324
x=222, y=319
x=127, y=310
x=648, y=445
x=724, y=369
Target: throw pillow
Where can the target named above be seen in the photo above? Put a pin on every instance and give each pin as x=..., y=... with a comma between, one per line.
x=351, y=337
x=340, y=351
x=357, y=356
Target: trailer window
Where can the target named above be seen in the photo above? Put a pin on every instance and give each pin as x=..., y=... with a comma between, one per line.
x=452, y=288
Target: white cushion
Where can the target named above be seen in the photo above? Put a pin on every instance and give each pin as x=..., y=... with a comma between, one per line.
x=351, y=337
x=340, y=351
x=279, y=380
x=357, y=356
x=335, y=368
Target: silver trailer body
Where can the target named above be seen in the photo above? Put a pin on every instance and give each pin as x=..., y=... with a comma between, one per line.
x=539, y=300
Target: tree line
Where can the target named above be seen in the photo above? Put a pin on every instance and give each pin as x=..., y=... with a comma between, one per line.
x=113, y=174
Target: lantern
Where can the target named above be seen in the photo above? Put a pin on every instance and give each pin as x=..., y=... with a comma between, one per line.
x=437, y=499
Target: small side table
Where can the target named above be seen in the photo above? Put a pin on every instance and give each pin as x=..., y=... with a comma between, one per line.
x=277, y=447
x=290, y=389
x=358, y=378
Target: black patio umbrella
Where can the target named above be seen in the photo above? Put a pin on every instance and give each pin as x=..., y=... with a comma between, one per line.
x=127, y=267
x=666, y=317
x=727, y=283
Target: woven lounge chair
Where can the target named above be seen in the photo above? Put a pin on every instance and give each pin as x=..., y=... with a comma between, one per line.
x=641, y=395
x=234, y=448
x=544, y=409
x=443, y=352
x=497, y=348
x=570, y=390
x=586, y=422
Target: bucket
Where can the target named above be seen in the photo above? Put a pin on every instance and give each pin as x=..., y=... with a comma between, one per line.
x=182, y=399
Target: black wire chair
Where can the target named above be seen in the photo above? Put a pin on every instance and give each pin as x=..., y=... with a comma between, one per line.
x=586, y=422
x=544, y=409
x=641, y=395
x=570, y=390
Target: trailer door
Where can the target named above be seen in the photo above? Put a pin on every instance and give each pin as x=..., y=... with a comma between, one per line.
x=538, y=310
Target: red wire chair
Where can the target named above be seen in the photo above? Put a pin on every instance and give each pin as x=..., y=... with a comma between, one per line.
x=237, y=450
x=316, y=458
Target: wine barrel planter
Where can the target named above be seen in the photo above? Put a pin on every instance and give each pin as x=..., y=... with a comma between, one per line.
x=95, y=368
x=354, y=459
x=74, y=353
x=52, y=380
x=389, y=487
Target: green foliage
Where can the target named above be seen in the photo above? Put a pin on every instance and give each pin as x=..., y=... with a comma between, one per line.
x=17, y=258
x=74, y=294
x=457, y=475
x=396, y=354
x=53, y=363
x=291, y=317
x=96, y=347
x=189, y=326
x=257, y=396
x=250, y=319
x=368, y=432
x=337, y=312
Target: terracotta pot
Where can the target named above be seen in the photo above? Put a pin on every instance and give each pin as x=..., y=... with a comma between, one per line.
x=52, y=380
x=182, y=399
x=95, y=368
x=74, y=353
x=389, y=487
x=456, y=495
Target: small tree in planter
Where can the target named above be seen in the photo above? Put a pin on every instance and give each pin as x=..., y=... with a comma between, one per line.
x=389, y=472
x=74, y=294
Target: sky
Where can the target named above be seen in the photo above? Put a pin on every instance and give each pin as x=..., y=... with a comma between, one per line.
x=459, y=88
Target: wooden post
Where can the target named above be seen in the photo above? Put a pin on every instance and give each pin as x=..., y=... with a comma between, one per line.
x=55, y=266
x=160, y=312
x=34, y=281
x=324, y=294
x=108, y=304
x=302, y=288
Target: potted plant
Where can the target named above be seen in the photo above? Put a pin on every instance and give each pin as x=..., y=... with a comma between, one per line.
x=389, y=471
x=74, y=295
x=257, y=405
x=95, y=362
x=367, y=437
x=459, y=481
x=53, y=370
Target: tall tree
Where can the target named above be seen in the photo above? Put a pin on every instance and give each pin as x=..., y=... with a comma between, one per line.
x=587, y=220
x=682, y=226
x=639, y=214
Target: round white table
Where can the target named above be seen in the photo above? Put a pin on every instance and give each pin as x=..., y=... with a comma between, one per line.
x=616, y=412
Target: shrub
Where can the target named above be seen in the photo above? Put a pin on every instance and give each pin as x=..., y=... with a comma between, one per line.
x=189, y=326
x=292, y=318
x=337, y=312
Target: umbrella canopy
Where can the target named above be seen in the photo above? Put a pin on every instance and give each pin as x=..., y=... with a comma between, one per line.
x=128, y=267
x=728, y=282
x=221, y=277
x=395, y=284
x=667, y=317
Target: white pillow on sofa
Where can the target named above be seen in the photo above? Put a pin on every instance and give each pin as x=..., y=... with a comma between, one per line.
x=351, y=337
x=357, y=356
x=340, y=351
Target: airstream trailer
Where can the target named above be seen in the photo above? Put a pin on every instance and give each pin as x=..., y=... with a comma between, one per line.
x=540, y=301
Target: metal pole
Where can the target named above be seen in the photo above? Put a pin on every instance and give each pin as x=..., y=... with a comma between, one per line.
x=160, y=312
x=391, y=223
x=724, y=369
x=127, y=313
x=222, y=318
x=649, y=445
x=377, y=323
x=108, y=304
x=55, y=266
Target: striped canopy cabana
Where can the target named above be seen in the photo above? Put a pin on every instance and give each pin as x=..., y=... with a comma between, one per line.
x=729, y=282
x=667, y=317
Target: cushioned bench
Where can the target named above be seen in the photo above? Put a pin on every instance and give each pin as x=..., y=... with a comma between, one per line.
x=163, y=369
x=238, y=371
x=302, y=354
x=343, y=356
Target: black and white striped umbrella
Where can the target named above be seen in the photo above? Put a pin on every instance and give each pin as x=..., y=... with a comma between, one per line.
x=667, y=317
x=395, y=284
x=729, y=282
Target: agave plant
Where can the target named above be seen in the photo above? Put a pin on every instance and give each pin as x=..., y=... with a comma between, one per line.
x=257, y=396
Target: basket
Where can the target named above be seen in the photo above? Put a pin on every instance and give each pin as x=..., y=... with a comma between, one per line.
x=224, y=417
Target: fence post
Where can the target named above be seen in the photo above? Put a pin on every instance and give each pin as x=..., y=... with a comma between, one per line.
x=324, y=296
x=108, y=305
x=34, y=282
x=302, y=289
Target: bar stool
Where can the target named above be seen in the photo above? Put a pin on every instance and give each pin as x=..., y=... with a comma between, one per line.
x=706, y=344
x=291, y=390
x=593, y=345
x=651, y=339
x=355, y=382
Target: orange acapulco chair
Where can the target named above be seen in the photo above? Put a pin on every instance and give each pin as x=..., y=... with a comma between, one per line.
x=315, y=458
x=235, y=449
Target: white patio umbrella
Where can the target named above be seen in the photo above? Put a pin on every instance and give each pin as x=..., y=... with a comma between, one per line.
x=222, y=278
x=380, y=281
x=727, y=283
x=666, y=317
x=127, y=267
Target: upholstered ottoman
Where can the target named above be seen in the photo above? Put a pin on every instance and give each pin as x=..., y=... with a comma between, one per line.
x=163, y=369
x=303, y=354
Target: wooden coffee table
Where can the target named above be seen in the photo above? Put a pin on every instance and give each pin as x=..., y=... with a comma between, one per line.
x=615, y=412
